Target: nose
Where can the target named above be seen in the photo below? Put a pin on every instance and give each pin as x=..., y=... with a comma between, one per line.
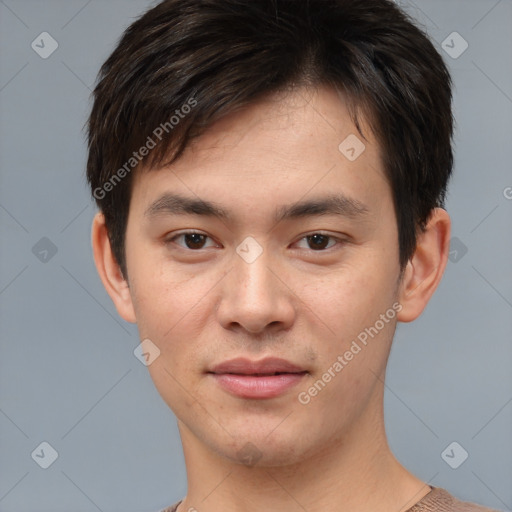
x=256, y=297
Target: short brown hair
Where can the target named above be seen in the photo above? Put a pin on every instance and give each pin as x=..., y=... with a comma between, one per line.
x=215, y=56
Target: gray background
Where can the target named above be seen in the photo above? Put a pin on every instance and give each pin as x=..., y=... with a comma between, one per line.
x=68, y=375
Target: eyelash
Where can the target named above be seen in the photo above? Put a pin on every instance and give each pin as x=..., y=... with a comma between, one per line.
x=339, y=241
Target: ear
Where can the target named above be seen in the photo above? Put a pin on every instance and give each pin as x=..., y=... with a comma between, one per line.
x=109, y=271
x=425, y=268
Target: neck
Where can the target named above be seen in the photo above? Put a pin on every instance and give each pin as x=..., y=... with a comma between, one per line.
x=357, y=472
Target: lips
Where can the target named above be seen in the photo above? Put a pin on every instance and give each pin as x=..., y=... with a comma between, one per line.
x=268, y=366
x=263, y=379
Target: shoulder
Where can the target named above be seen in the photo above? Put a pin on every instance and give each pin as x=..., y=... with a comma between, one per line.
x=440, y=500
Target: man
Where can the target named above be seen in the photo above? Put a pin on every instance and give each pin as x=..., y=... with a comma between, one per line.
x=271, y=177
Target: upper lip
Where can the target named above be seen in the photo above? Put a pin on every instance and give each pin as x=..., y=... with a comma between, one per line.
x=269, y=365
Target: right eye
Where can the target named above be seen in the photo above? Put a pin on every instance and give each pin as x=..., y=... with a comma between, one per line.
x=192, y=240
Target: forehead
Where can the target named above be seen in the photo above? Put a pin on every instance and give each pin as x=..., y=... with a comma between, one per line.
x=298, y=143
x=296, y=118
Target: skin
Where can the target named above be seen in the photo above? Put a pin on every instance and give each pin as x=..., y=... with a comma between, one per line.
x=304, y=301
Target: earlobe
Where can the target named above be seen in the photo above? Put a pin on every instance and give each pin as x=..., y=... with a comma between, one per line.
x=426, y=267
x=109, y=271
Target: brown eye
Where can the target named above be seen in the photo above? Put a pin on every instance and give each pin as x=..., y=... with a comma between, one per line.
x=191, y=240
x=318, y=241
x=194, y=240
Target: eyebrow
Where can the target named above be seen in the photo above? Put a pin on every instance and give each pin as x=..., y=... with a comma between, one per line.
x=334, y=204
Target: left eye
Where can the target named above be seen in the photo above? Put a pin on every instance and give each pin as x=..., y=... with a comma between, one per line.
x=318, y=241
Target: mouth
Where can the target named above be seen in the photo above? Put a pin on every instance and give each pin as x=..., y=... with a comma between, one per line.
x=267, y=366
x=256, y=374
x=263, y=379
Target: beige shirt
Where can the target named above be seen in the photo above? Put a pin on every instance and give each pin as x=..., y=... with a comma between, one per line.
x=437, y=500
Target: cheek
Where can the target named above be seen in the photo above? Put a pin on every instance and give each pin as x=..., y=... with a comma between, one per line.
x=175, y=310
x=172, y=315
x=347, y=308
x=166, y=297
x=352, y=297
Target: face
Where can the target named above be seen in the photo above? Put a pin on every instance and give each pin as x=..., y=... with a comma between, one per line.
x=265, y=240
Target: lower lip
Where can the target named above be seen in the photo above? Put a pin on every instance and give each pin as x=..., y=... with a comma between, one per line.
x=251, y=386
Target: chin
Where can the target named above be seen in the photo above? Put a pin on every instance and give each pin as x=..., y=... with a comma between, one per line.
x=253, y=448
x=255, y=454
